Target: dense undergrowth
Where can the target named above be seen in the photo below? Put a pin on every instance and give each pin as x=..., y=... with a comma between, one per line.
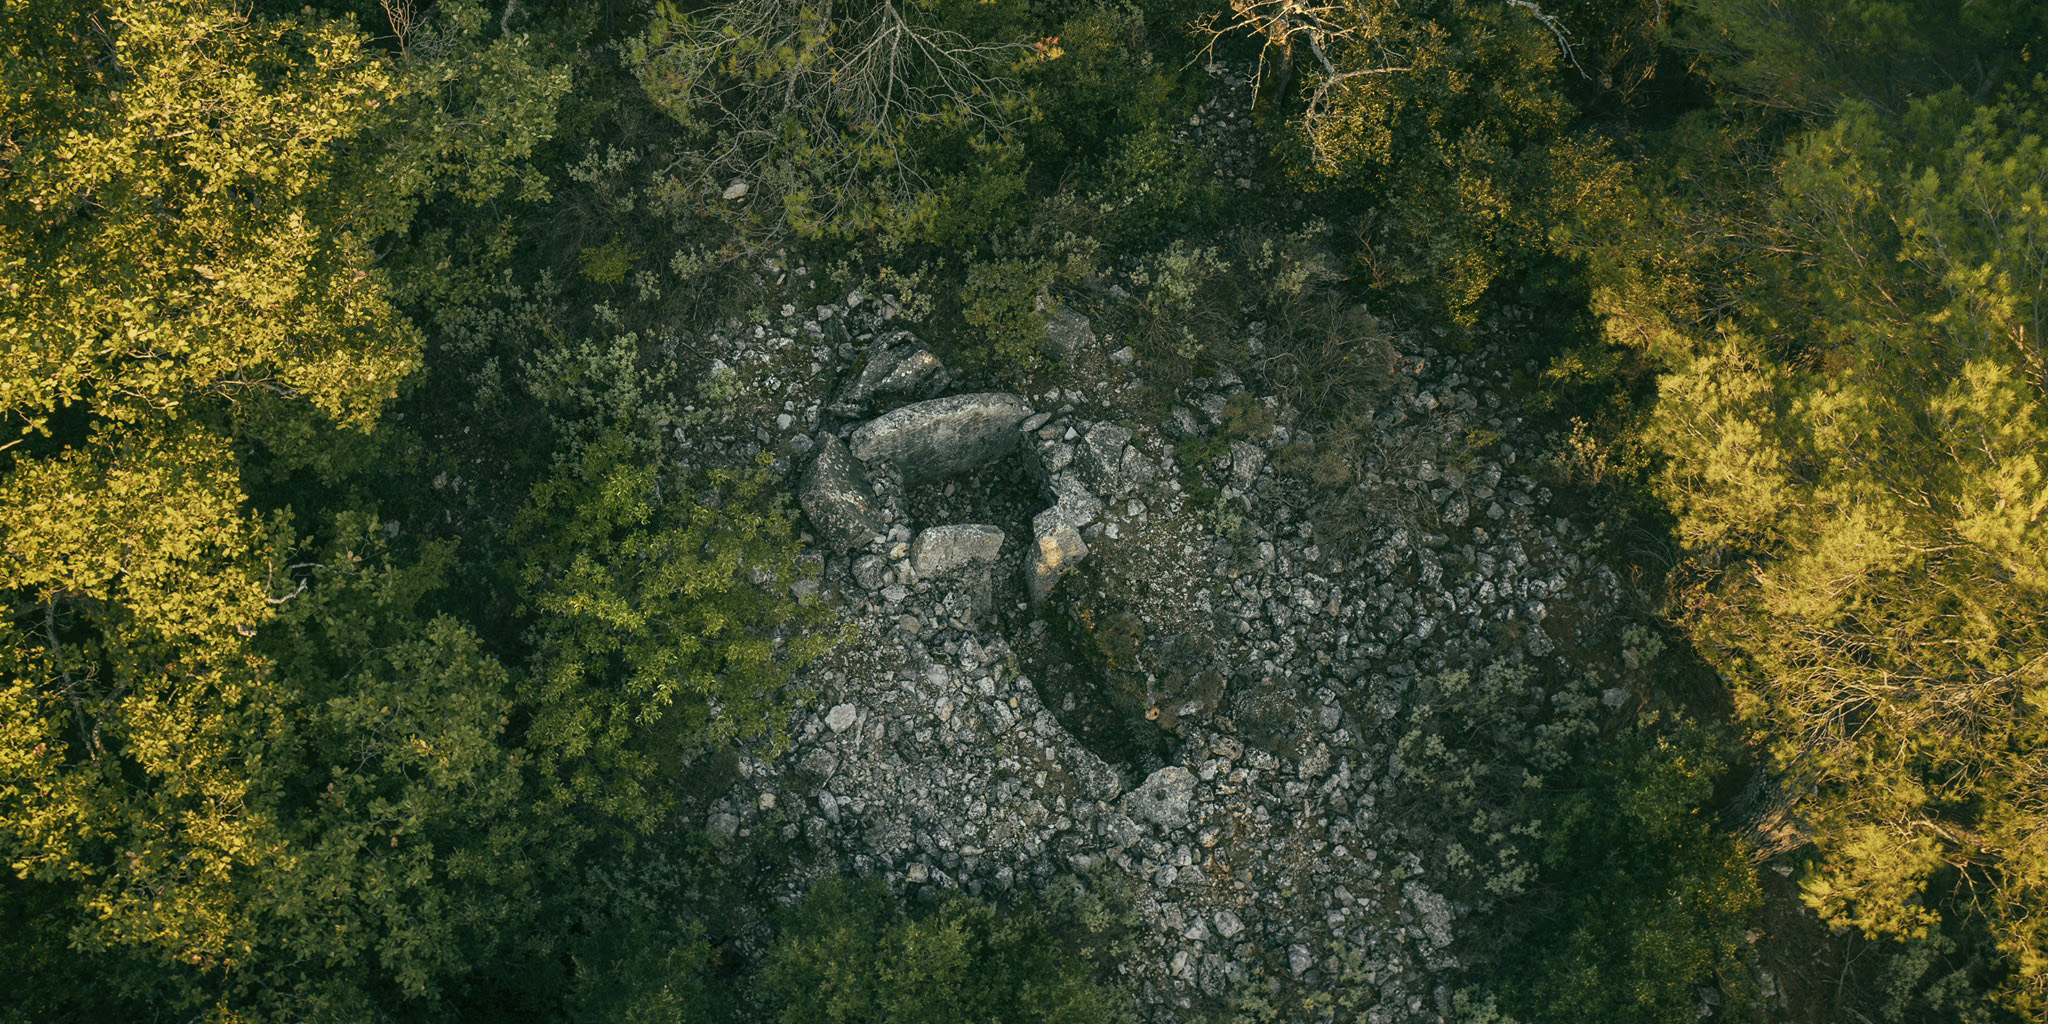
x=362, y=601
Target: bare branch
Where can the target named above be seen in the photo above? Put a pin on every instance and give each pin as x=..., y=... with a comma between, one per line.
x=813, y=96
x=1556, y=28
x=1341, y=46
x=404, y=17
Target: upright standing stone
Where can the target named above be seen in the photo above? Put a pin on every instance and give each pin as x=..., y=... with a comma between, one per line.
x=1059, y=550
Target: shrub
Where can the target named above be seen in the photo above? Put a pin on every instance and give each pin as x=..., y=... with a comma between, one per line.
x=847, y=953
x=659, y=618
x=1001, y=300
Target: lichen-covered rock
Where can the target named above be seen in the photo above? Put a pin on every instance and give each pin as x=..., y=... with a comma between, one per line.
x=1073, y=504
x=1101, y=457
x=1067, y=333
x=837, y=496
x=904, y=369
x=942, y=550
x=1165, y=798
x=1059, y=550
x=1138, y=468
x=942, y=437
x=1246, y=459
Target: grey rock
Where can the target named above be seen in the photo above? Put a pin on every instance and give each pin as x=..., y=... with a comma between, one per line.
x=1124, y=356
x=1228, y=925
x=1101, y=456
x=870, y=571
x=1073, y=504
x=1432, y=912
x=839, y=499
x=1058, y=552
x=840, y=718
x=945, y=549
x=1056, y=456
x=942, y=437
x=905, y=370
x=1165, y=798
x=1299, y=960
x=1246, y=459
x=1067, y=333
x=1138, y=468
x=820, y=763
x=1182, y=423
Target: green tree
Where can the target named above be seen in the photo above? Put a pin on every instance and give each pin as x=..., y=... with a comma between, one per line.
x=1848, y=306
x=191, y=197
x=1647, y=896
x=329, y=823
x=1447, y=120
x=660, y=619
x=1889, y=493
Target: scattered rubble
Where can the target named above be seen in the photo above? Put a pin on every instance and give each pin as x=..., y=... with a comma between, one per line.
x=1259, y=831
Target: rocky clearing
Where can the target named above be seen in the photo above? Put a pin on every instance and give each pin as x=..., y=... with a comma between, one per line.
x=1082, y=639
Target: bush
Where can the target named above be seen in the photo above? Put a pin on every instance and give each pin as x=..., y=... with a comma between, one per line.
x=847, y=953
x=1000, y=300
x=1589, y=836
x=1651, y=896
x=660, y=622
x=836, y=120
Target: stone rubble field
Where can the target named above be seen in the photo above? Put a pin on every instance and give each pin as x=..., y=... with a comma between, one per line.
x=1071, y=652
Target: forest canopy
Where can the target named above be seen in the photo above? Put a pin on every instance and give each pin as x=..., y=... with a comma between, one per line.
x=380, y=628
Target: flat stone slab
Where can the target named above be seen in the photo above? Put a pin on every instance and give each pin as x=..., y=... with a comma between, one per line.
x=942, y=437
x=837, y=496
x=946, y=549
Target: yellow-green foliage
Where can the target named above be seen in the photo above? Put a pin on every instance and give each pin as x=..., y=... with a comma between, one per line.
x=1459, y=145
x=184, y=235
x=1855, y=416
x=185, y=264
x=661, y=623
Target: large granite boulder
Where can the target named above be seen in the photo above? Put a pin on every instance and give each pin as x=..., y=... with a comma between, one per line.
x=839, y=499
x=943, y=550
x=942, y=437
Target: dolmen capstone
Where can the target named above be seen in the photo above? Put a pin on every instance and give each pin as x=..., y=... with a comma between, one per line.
x=942, y=437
